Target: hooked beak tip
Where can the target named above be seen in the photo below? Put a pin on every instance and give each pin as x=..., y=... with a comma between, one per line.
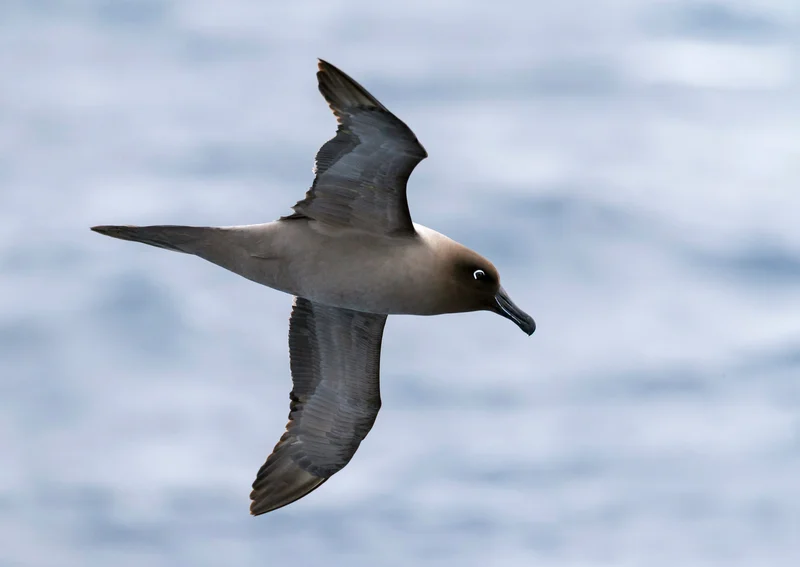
x=528, y=325
x=531, y=327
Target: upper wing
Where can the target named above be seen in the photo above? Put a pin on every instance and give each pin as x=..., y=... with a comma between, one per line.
x=335, y=362
x=361, y=173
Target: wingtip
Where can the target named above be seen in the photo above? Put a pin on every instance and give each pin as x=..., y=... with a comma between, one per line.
x=327, y=72
x=279, y=483
x=322, y=66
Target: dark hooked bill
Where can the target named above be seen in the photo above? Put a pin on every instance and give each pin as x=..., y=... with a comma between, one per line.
x=509, y=310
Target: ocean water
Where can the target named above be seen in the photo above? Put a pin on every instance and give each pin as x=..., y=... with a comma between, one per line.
x=632, y=168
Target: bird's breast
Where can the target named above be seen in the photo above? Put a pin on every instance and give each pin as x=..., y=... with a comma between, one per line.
x=366, y=273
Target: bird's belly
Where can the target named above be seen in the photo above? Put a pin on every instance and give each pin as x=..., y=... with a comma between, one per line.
x=366, y=284
x=349, y=270
x=375, y=280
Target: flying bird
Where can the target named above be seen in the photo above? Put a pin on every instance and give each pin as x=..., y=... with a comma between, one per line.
x=350, y=255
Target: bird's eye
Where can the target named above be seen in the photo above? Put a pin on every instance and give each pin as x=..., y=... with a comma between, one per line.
x=478, y=274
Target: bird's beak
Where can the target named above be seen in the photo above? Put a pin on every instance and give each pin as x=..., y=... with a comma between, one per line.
x=505, y=307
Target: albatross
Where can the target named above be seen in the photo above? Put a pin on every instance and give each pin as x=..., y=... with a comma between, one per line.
x=350, y=255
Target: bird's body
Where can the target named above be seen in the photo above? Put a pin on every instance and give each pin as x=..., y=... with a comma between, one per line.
x=351, y=256
x=341, y=267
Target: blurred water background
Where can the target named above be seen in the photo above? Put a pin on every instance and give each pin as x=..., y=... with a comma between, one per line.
x=632, y=168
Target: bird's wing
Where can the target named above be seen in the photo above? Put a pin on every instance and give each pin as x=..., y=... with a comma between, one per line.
x=335, y=363
x=361, y=173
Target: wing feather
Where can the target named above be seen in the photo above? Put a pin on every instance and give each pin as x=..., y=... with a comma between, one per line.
x=335, y=363
x=362, y=172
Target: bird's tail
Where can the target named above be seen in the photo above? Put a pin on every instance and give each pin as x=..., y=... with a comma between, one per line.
x=184, y=239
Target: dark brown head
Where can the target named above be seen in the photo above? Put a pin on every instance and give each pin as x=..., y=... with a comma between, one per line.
x=476, y=287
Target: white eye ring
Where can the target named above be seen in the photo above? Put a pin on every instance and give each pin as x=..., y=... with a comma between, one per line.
x=478, y=274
